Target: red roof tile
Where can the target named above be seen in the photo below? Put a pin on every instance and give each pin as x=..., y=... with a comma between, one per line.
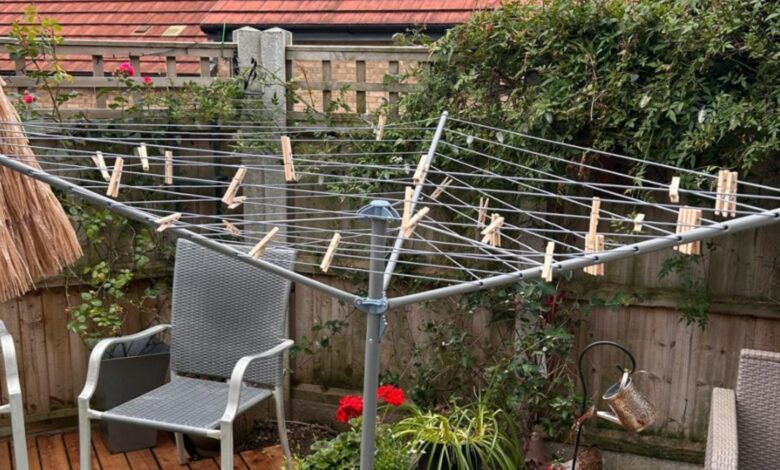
x=343, y=12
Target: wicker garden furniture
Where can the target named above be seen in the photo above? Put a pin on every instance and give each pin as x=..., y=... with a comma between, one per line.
x=745, y=425
x=228, y=323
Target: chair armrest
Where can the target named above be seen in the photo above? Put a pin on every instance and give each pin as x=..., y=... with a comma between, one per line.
x=93, y=368
x=12, y=384
x=722, y=442
x=237, y=377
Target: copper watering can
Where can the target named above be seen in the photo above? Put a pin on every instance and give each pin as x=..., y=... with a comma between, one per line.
x=630, y=409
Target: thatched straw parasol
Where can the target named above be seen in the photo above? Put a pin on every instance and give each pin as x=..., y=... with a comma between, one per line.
x=36, y=237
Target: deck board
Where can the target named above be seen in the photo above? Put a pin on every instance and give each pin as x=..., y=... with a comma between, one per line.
x=52, y=452
x=61, y=452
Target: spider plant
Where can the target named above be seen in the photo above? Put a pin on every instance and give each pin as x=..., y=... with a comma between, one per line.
x=464, y=437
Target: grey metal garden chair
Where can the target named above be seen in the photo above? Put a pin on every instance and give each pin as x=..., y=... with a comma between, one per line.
x=228, y=323
x=745, y=426
x=13, y=389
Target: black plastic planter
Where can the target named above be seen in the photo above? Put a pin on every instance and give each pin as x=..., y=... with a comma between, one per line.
x=128, y=371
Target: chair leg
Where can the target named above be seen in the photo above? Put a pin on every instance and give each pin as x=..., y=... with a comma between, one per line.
x=226, y=446
x=17, y=430
x=279, y=401
x=85, y=436
x=180, y=450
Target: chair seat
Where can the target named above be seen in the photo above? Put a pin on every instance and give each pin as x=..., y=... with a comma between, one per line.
x=183, y=405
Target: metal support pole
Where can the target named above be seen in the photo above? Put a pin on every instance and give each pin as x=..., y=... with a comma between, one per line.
x=399, y=240
x=375, y=306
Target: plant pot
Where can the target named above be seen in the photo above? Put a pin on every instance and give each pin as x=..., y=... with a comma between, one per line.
x=207, y=447
x=433, y=452
x=129, y=371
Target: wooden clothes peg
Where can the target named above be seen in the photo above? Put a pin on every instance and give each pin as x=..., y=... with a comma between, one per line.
x=720, y=192
x=287, y=158
x=594, y=242
x=167, y=221
x=595, y=209
x=235, y=184
x=547, y=271
x=441, y=187
x=688, y=219
x=380, y=128
x=168, y=167
x=639, y=219
x=674, y=190
x=116, y=178
x=482, y=214
x=726, y=193
x=408, y=195
x=144, y=156
x=328, y=258
x=231, y=228
x=412, y=224
x=100, y=163
x=422, y=169
x=237, y=201
x=259, y=249
x=491, y=233
x=732, y=200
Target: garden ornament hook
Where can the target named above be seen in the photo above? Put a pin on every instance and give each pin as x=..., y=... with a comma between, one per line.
x=630, y=409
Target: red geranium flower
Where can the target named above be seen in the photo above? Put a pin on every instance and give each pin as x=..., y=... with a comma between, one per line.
x=391, y=395
x=28, y=98
x=148, y=80
x=350, y=406
x=125, y=69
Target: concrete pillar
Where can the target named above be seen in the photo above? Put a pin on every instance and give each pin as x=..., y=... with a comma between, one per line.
x=265, y=51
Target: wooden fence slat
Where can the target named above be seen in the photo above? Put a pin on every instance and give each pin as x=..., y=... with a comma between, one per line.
x=33, y=354
x=360, y=79
x=57, y=347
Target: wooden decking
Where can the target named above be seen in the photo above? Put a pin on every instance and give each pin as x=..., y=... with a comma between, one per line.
x=61, y=452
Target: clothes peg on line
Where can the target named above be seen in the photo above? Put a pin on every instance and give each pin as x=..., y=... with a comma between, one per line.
x=328, y=258
x=231, y=228
x=674, y=190
x=440, y=188
x=100, y=163
x=547, y=271
x=235, y=184
x=259, y=249
x=237, y=201
x=380, y=127
x=422, y=169
x=482, y=214
x=168, y=167
x=167, y=221
x=408, y=196
x=688, y=219
x=639, y=219
x=116, y=178
x=732, y=189
x=412, y=224
x=720, y=192
x=492, y=231
x=287, y=158
x=594, y=242
x=144, y=155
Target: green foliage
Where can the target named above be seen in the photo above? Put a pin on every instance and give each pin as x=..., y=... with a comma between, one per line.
x=116, y=251
x=694, y=301
x=471, y=436
x=343, y=452
x=686, y=82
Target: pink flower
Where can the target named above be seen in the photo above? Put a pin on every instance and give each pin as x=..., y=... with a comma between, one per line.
x=350, y=406
x=391, y=395
x=125, y=69
x=148, y=81
x=28, y=98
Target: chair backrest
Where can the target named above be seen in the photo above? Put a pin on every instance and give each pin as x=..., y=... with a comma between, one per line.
x=758, y=409
x=224, y=309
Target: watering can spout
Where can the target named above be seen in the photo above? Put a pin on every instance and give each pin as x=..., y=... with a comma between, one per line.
x=609, y=417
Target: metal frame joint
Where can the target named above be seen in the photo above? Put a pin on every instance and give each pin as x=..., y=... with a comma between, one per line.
x=372, y=306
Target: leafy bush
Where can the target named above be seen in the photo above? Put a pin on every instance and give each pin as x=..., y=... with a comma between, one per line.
x=343, y=452
x=685, y=82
